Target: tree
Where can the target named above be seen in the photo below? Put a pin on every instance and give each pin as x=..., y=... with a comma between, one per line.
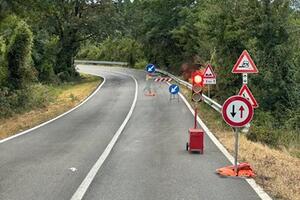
x=160, y=18
x=18, y=57
x=72, y=22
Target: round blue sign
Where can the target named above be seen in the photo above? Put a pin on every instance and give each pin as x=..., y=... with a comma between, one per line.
x=150, y=68
x=174, y=89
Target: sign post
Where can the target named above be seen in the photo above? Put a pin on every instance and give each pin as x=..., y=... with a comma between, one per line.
x=237, y=112
x=209, y=77
x=196, y=135
x=245, y=65
x=150, y=69
x=174, y=90
x=245, y=78
x=236, y=150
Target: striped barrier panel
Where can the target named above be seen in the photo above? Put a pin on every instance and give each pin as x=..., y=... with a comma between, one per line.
x=163, y=79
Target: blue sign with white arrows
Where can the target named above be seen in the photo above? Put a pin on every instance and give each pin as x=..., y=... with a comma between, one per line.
x=150, y=68
x=174, y=89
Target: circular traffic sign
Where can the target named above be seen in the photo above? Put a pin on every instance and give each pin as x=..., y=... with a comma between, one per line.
x=150, y=68
x=237, y=111
x=174, y=89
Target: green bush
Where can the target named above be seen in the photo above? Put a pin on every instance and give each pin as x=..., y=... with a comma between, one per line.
x=44, y=57
x=89, y=52
x=3, y=64
x=118, y=49
x=141, y=64
x=5, y=104
x=293, y=122
x=25, y=99
x=264, y=135
x=266, y=129
x=39, y=95
x=19, y=57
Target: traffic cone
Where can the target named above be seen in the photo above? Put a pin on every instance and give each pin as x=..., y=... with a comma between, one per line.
x=150, y=94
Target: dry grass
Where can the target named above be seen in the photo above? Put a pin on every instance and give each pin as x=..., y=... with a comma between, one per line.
x=68, y=96
x=277, y=171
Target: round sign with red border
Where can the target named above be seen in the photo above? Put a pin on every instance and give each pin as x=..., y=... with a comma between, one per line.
x=237, y=111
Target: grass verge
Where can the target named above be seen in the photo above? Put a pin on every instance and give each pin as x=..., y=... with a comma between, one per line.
x=63, y=98
x=277, y=171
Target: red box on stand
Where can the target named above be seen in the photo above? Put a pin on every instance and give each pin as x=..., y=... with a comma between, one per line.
x=196, y=142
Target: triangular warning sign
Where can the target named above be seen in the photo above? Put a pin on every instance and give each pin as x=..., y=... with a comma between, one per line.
x=208, y=72
x=246, y=93
x=244, y=64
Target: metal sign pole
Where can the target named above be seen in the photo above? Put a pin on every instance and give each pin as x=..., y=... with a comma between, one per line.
x=195, y=124
x=236, y=150
x=245, y=78
x=208, y=92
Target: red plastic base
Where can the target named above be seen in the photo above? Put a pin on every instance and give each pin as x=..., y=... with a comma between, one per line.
x=244, y=170
x=196, y=140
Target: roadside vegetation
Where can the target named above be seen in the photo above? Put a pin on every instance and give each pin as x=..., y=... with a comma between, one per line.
x=45, y=102
x=38, y=42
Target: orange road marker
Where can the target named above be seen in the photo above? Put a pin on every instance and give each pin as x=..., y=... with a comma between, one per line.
x=150, y=94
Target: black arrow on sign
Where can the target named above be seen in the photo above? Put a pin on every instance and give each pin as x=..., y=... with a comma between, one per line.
x=233, y=113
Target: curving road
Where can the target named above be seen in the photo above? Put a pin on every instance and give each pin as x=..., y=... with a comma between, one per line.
x=148, y=161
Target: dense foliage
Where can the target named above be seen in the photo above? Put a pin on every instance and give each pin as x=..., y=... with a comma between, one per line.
x=39, y=40
x=210, y=31
x=120, y=48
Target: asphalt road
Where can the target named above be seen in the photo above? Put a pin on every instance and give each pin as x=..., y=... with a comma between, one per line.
x=149, y=160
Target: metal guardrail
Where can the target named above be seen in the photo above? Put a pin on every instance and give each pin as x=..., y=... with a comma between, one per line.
x=207, y=100
x=100, y=62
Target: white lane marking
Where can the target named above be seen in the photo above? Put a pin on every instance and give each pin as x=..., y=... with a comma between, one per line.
x=260, y=192
x=47, y=122
x=81, y=190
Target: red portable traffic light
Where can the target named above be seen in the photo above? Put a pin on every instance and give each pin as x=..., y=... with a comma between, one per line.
x=197, y=80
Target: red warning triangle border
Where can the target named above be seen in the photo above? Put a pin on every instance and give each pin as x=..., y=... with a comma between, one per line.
x=245, y=88
x=212, y=71
x=235, y=69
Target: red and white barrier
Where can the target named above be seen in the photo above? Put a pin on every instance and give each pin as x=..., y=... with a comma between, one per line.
x=163, y=79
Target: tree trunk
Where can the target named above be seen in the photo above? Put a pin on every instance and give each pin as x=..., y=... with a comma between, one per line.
x=65, y=68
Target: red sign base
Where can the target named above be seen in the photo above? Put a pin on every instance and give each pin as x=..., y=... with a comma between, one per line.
x=195, y=143
x=150, y=94
x=244, y=170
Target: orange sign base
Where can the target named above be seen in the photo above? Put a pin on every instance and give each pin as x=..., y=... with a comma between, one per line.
x=243, y=170
x=150, y=94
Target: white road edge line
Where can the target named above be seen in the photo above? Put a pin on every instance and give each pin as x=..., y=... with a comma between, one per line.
x=51, y=120
x=260, y=192
x=81, y=190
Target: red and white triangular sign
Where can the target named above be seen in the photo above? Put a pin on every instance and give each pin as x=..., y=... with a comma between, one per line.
x=208, y=72
x=246, y=93
x=244, y=64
